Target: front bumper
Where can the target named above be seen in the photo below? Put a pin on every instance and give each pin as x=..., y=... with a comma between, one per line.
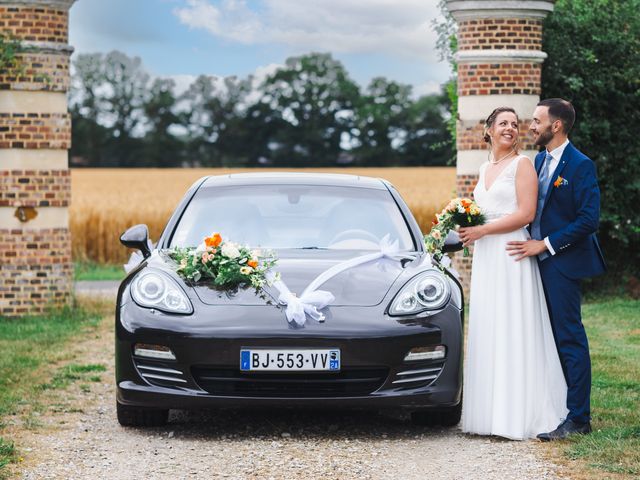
x=206, y=372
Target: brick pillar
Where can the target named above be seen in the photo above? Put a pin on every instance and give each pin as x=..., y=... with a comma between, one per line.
x=499, y=64
x=35, y=132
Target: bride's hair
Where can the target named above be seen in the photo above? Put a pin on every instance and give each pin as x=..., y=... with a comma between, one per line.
x=488, y=123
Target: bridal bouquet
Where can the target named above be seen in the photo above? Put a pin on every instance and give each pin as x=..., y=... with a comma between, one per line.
x=461, y=212
x=225, y=263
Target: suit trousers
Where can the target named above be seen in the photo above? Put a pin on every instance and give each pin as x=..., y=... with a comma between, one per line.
x=563, y=300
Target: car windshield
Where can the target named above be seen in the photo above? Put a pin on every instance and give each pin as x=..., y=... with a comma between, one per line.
x=294, y=216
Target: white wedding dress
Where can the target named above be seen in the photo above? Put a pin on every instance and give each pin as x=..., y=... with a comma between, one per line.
x=513, y=382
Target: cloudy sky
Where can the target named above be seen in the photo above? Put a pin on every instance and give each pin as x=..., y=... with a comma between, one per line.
x=185, y=38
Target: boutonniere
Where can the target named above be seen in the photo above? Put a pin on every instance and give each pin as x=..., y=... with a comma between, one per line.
x=560, y=182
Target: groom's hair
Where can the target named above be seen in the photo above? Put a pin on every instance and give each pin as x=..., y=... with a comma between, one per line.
x=560, y=109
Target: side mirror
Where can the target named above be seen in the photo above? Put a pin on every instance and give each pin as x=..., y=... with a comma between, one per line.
x=452, y=243
x=137, y=237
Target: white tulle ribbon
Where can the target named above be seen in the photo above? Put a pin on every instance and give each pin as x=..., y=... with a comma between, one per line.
x=312, y=300
x=308, y=304
x=445, y=261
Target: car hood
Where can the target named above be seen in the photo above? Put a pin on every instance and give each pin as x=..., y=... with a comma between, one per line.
x=362, y=285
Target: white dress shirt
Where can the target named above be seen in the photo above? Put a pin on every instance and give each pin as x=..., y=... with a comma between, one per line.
x=556, y=153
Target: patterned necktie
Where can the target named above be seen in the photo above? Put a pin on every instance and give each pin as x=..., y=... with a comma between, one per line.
x=543, y=187
x=543, y=177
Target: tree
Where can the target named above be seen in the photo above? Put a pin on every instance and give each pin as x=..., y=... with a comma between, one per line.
x=313, y=98
x=594, y=61
x=161, y=148
x=218, y=131
x=109, y=91
x=382, y=118
x=428, y=140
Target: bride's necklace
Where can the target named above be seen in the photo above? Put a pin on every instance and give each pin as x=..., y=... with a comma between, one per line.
x=495, y=162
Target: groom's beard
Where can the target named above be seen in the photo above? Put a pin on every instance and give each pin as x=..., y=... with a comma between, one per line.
x=544, y=137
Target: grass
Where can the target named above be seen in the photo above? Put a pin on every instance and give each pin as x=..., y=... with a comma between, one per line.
x=613, y=327
x=71, y=373
x=31, y=344
x=87, y=270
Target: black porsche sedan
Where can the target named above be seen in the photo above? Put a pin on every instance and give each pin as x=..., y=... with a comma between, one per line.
x=391, y=337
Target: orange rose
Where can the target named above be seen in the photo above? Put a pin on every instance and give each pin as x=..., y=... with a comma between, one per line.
x=252, y=263
x=213, y=241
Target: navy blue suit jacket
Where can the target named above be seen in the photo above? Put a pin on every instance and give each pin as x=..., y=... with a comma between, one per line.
x=571, y=214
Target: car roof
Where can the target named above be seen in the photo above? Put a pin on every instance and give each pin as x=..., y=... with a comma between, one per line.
x=294, y=178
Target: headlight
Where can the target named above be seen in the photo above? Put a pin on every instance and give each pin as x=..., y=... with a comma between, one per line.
x=155, y=290
x=427, y=291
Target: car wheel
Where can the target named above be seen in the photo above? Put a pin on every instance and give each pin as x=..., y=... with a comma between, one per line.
x=129, y=416
x=448, y=417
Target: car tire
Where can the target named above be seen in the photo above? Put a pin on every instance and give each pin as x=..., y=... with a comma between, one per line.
x=448, y=417
x=129, y=416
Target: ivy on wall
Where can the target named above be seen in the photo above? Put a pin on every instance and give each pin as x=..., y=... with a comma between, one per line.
x=9, y=48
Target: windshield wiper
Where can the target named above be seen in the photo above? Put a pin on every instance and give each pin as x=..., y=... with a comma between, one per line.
x=313, y=248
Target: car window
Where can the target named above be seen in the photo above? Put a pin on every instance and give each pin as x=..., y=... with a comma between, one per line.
x=286, y=216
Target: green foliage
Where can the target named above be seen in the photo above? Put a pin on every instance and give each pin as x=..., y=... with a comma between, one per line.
x=614, y=337
x=87, y=270
x=312, y=98
x=447, y=46
x=7, y=453
x=71, y=373
x=9, y=48
x=27, y=344
x=594, y=61
x=306, y=113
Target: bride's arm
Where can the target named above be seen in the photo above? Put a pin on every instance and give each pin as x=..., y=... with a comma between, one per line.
x=527, y=196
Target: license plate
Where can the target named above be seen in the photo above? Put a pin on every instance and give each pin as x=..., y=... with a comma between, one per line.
x=300, y=360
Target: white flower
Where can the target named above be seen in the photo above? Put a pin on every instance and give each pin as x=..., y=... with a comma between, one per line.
x=230, y=250
x=246, y=270
x=201, y=248
x=436, y=234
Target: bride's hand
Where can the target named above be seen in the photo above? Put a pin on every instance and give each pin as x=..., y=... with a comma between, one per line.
x=468, y=235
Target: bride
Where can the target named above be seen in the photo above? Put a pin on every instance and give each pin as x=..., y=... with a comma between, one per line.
x=514, y=386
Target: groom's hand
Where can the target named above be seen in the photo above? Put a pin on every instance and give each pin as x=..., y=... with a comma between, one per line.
x=530, y=248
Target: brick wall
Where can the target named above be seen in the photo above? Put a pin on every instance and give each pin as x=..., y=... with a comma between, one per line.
x=36, y=271
x=38, y=71
x=39, y=24
x=500, y=33
x=35, y=130
x=35, y=188
x=499, y=78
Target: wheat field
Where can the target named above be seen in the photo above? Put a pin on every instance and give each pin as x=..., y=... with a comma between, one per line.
x=105, y=202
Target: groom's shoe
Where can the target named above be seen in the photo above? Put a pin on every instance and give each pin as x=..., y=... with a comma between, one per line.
x=566, y=428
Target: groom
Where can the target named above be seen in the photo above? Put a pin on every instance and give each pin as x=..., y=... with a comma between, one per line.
x=564, y=240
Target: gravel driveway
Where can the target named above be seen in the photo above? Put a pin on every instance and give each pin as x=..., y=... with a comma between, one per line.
x=82, y=439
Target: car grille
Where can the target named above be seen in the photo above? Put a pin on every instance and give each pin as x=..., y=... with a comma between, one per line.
x=418, y=375
x=232, y=382
x=160, y=373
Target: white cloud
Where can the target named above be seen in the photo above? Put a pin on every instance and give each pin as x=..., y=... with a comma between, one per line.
x=426, y=89
x=399, y=27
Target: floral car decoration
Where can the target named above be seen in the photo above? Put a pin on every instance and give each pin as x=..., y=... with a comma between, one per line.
x=224, y=263
x=462, y=212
